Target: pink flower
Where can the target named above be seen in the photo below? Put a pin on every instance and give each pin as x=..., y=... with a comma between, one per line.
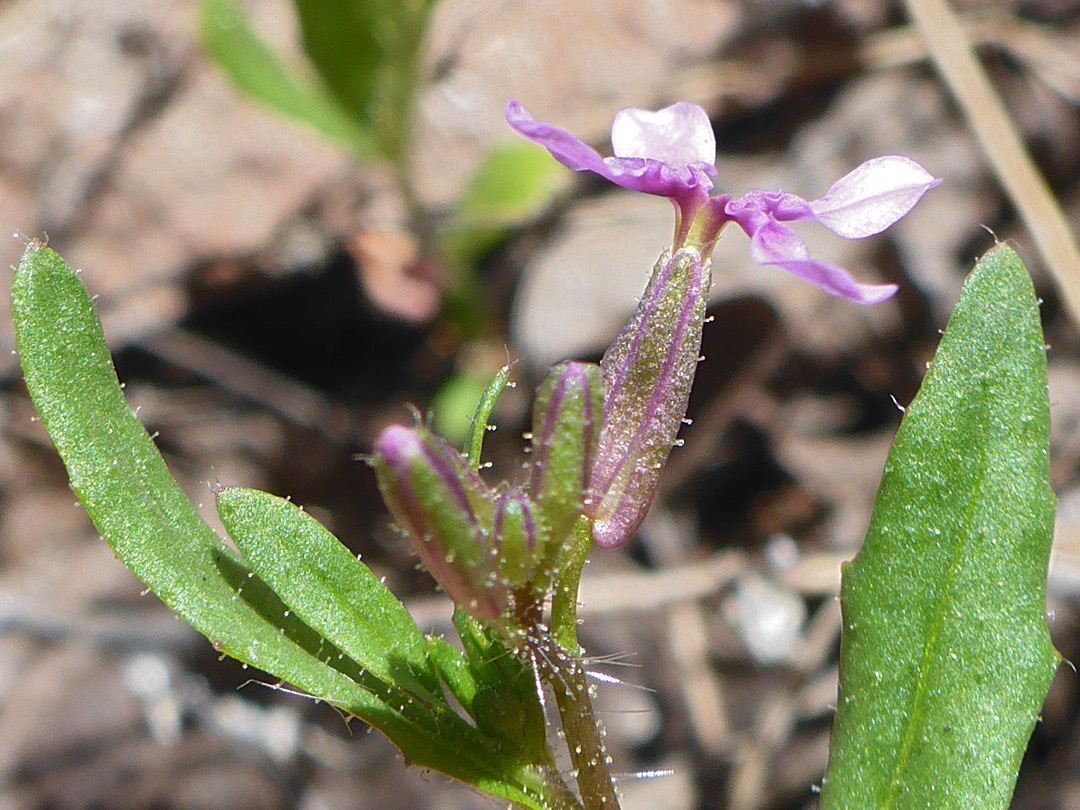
x=671, y=153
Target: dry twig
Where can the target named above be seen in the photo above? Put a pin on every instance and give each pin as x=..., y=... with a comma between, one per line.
x=954, y=58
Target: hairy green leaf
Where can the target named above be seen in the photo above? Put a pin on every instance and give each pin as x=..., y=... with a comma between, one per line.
x=329, y=589
x=485, y=404
x=497, y=670
x=455, y=671
x=945, y=655
x=258, y=72
x=144, y=515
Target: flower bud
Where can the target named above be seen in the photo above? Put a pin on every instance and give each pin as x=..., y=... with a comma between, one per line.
x=516, y=539
x=566, y=428
x=648, y=372
x=447, y=512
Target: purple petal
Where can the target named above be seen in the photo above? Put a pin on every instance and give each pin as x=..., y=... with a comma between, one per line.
x=564, y=147
x=757, y=207
x=679, y=135
x=682, y=183
x=873, y=196
x=773, y=243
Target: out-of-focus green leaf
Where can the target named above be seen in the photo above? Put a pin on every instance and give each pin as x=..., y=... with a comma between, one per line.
x=515, y=182
x=945, y=655
x=122, y=481
x=258, y=72
x=368, y=52
x=329, y=589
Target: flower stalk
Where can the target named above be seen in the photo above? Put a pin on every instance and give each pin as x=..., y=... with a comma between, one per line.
x=581, y=728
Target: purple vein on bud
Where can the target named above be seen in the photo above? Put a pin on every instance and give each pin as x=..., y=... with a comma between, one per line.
x=516, y=538
x=648, y=372
x=564, y=442
x=447, y=512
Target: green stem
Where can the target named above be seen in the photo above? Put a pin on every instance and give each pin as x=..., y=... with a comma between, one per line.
x=581, y=728
x=561, y=667
x=564, y=599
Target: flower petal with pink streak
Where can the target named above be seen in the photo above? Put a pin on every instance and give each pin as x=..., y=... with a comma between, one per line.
x=773, y=243
x=873, y=196
x=678, y=181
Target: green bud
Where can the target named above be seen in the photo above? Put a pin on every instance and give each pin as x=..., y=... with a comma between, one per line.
x=447, y=512
x=516, y=538
x=566, y=424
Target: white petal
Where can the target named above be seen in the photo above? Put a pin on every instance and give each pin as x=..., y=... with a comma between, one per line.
x=873, y=196
x=678, y=135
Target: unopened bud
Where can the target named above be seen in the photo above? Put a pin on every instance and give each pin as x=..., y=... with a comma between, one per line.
x=648, y=372
x=447, y=512
x=566, y=428
x=516, y=538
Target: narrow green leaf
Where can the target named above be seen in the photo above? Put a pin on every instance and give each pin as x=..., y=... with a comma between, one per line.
x=455, y=671
x=495, y=671
x=368, y=53
x=474, y=441
x=144, y=515
x=121, y=479
x=258, y=72
x=483, y=651
x=329, y=589
x=945, y=655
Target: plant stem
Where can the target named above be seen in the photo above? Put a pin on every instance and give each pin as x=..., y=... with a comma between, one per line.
x=582, y=731
x=556, y=793
x=564, y=599
x=561, y=667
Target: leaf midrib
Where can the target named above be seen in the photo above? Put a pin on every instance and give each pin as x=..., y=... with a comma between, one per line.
x=892, y=788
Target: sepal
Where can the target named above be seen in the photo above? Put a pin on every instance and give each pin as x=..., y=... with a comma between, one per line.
x=647, y=372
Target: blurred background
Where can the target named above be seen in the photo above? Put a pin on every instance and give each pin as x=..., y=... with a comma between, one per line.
x=298, y=224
